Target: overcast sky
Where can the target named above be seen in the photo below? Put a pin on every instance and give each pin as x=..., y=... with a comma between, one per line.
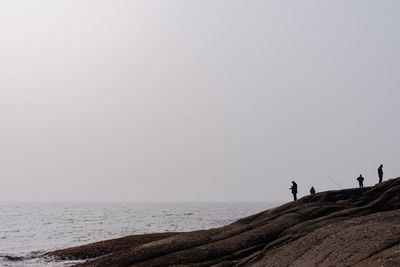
x=208, y=100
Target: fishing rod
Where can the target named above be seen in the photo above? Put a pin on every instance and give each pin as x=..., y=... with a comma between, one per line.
x=335, y=183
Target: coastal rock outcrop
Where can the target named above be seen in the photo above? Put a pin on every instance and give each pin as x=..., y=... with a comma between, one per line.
x=351, y=227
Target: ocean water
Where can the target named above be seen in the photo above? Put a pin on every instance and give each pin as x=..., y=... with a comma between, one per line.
x=28, y=230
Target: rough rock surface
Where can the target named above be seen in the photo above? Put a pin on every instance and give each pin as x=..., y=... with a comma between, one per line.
x=352, y=227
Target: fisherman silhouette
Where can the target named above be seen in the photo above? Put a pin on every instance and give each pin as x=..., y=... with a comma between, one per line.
x=312, y=190
x=380, y=173
x=360, y=180
x=294, y=190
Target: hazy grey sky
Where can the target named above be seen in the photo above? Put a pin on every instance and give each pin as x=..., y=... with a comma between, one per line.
x=196, y=100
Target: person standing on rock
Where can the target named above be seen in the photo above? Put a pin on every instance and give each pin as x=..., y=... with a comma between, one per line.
x=294, y=190
x=360, y=180
x=312, y=190
x=380, y=173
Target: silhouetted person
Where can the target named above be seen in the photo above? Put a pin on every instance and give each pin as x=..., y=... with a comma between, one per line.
x=360, y=180
x=294, y=190
x=312, y=190
x=380, y=173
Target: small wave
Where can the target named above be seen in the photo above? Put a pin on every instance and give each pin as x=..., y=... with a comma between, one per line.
x=35, y=253
x=31, y=255
x=188, y=214
x=13, y=258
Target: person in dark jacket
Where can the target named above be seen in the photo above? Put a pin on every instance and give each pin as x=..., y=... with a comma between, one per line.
x=294, y=190
x=312, y=190
x=360, y=180
x=380, y=173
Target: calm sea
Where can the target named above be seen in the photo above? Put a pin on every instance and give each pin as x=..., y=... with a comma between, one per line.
x=30, y=229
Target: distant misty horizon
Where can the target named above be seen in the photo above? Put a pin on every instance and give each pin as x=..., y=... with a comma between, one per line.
x=179, y=100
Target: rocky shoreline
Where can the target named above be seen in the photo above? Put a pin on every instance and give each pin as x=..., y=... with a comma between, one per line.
x=351, y=227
